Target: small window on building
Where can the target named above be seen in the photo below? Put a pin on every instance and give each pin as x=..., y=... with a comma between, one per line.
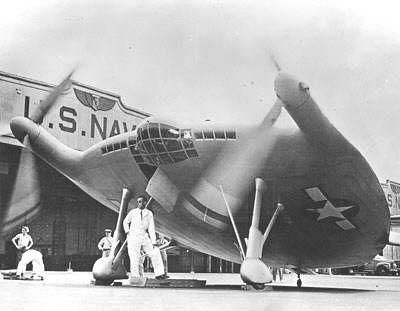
x=198, y=135
x=208, y=135
x=219, y=134
x=103, y=150
x=110, y=148
x=192, y=153
x=123, y=144
x=230, y=134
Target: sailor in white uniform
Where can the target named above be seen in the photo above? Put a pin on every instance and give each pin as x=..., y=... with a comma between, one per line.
x=139, y=227
x=105, y=243
x=22, y=242
x=34, y=257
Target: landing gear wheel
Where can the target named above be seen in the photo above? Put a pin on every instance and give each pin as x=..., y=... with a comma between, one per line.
x=299, y=283
x=103, y=282
x=258, y=286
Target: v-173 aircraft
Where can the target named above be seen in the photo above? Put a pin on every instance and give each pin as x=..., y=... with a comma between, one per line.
x=317, y=202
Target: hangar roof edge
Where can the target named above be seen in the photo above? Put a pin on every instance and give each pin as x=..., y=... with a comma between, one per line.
x=45, y=84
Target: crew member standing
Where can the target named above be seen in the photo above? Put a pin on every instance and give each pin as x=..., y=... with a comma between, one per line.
x=139, y=227
x=22, y=241
x=106, y=243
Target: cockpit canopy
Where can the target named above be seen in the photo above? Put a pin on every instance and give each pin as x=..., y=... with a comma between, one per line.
x=159, y=143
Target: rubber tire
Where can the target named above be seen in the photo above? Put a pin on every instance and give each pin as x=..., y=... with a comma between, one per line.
x=382, y=271
x=258, y=286
x=299, y=283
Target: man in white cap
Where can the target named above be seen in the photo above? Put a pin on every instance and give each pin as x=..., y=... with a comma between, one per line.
x=139, y=227
x=22, y=241
x=106, y=243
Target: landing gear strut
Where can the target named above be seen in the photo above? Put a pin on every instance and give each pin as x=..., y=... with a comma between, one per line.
x=108, y=269
x=299, y=283
x=253, y=271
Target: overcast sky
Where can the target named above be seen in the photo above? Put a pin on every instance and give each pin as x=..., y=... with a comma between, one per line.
x=201, y=60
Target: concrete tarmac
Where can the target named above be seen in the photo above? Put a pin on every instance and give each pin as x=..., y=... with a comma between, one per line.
x=73, y=291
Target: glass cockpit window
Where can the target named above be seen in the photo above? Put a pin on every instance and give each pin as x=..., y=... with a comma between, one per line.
x=134, y=150
x=172, y=145
x=178, y=156
x=158, y=145
x=148, y=159
x=165, y=158
x=148, y=146
x=154, y=131
x=187, y=143
x=144, y=133
x=131, y=141
x=110, y=148
x=219, y=134
x=198, y=135
x=155, y=159
x=230, y=134
x=138, y=159
x=186, y=134
x=192, y=153
x=168, y=132
x=208, y=135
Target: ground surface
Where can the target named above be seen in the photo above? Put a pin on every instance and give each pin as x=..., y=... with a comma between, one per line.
x=73, y=291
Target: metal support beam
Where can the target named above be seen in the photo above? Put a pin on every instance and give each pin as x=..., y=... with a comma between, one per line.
x=233, y=223
x=108, y=269
x=253, y=270
x=119, y=233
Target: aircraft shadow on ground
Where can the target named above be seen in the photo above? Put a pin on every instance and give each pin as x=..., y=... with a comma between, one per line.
x=319, y=289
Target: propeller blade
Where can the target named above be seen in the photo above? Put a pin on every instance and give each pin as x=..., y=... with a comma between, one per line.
x=25, y=195
x=236, y=166
x=5, y=129
x=45, y=106
x=23, y=201
x=275, y=62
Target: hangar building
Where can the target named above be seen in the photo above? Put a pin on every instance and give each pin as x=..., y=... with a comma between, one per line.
x=71, y=223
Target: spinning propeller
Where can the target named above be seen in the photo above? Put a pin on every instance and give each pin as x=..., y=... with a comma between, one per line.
x=240, y=166
x=24, y=197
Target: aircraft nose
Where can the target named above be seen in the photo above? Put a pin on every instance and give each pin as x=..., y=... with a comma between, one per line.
x=21, y=126
x=290, y=90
